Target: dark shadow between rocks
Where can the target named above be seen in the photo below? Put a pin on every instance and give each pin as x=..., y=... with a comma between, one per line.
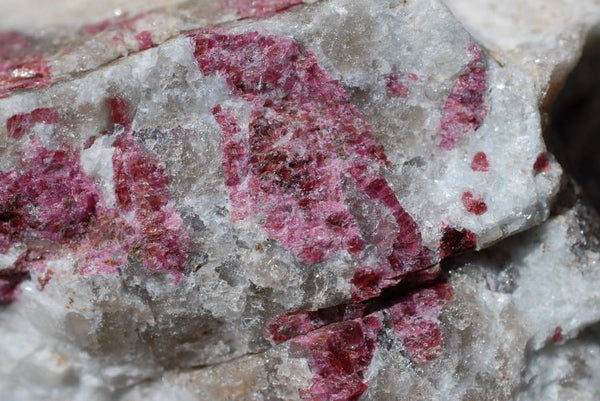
x=574, y=135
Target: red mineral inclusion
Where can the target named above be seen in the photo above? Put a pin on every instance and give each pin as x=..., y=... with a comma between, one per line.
x=304, y=144
x=480, y=162
x=51, y=206
x=455, y=241
x=415, y=321
x=340, y=355
x=119, y=112
x=395, y=87
x=142, y=187
x=258, y=8
x=542, y=164
x=412, y=309
x=294, y=324
x=20, y=67
x=48, y=199
x=557, y=336
x=144, y=40
x=473, y=204
x=465, y=109
x=20, y=124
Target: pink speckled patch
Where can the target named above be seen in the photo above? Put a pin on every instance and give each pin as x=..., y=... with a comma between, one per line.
x=465, y=109
x=480, y=162
x=304, y=144
x=415, y=321
x=52, y=207
x=474, y=204
x=20, y=66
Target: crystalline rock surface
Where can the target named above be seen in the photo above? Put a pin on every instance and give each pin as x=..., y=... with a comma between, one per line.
x=291, y=200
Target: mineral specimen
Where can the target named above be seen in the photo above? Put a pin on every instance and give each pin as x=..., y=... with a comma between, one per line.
x=522, y=289
x=261, y=193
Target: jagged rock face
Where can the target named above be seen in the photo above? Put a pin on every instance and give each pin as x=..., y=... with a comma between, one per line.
x=545, y=37
x=574, y=123
x=34, y=58
x=275, y=178
x=499, y=341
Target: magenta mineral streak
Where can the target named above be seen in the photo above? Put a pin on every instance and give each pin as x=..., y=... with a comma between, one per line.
x=290, y=168
x=340, y=356
x=142, y=186
x=305, y=141
x=20, y=67
x=465, y=109
x=51, y=198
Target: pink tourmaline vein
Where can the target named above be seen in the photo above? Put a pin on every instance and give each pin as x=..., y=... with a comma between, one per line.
x=465, y=109
x=290, y=168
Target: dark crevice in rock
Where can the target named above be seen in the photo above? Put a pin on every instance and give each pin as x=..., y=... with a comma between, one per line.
x=574, y=135
x=300, y=323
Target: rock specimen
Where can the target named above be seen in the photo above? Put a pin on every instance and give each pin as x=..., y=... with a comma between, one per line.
x=37, y=58
x=261, y=192
x=539, y=290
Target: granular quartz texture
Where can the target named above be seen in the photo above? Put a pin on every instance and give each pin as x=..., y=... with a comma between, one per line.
x=305, y=140
x=258, y=8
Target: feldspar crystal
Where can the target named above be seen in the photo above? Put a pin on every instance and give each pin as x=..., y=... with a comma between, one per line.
x=261, y=192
